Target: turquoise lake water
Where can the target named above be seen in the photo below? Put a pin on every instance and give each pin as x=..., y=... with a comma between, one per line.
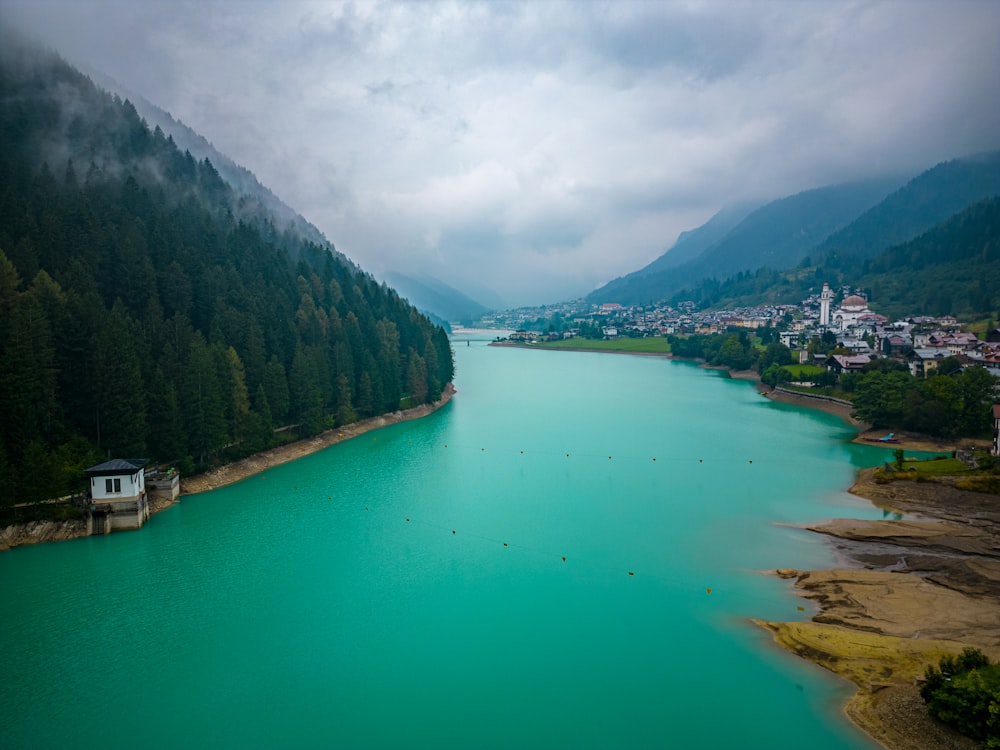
x=407, y=589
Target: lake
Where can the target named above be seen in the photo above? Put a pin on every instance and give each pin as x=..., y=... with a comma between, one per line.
x=564, y=556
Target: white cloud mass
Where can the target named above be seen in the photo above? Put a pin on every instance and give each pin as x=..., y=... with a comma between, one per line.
x=543, y=148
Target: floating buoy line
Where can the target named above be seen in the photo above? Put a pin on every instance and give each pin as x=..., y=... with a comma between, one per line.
x=505, y=544
x=715, y=460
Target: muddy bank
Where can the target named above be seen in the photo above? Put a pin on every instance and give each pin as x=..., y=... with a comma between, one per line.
x=908, y=591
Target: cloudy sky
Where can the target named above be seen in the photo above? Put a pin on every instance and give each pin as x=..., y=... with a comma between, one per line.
x=543, y=148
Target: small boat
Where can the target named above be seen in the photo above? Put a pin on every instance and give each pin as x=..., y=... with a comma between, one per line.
x=890, y=438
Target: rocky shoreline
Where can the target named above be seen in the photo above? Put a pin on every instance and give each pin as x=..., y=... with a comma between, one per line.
x=910, y=590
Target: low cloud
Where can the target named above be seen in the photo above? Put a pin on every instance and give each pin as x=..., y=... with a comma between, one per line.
x=544, y=148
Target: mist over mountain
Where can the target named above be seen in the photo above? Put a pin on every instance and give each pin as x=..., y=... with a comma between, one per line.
x=256, y=199
x=923, y=202
x=859, y=219
x=777, y=235
x=433, y=296
x=148, y=308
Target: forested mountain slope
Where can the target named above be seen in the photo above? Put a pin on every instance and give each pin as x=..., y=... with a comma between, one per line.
x=256, y=200
x=924, y=202
x=142, y=314
x=953, y=268
x=437, y=298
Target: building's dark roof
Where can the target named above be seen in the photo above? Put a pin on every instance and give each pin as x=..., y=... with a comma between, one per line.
x=117, y=466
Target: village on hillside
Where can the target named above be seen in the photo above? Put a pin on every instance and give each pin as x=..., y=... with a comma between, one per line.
x=847, y=325
x=834, y=332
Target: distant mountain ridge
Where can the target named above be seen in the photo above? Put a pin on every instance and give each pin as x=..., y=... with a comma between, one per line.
x=777, y=234
x=922, y=203
x=951, y=269
x=430, y=295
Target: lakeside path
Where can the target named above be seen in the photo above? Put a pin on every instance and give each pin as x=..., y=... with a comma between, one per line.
x=906, y=591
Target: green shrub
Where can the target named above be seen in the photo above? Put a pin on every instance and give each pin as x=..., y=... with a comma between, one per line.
x=964, y=693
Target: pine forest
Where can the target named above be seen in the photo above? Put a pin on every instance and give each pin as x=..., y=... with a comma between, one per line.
x=149, y=310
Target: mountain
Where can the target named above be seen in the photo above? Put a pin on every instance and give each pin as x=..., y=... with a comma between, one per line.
x=776, y=235
x=692, y=244
x=148, y=308
x=257, y=201
x=689, y=245
x=433, y=296
x=922, y=203
x=951, y=269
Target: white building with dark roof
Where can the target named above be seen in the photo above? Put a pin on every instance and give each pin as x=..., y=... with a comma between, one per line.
x=118, y=495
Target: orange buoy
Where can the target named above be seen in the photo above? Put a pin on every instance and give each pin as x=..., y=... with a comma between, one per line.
x=801, y=609
x=708, y=591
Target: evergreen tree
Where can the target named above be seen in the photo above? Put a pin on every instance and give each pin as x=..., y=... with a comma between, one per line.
x=121, y=396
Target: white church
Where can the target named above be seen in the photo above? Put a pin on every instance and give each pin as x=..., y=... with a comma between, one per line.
x=852, y=313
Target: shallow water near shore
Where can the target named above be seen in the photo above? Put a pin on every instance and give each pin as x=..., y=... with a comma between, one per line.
x=564, y=556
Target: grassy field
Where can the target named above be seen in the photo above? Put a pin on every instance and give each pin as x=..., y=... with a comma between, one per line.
x=932, y=469
x=651, y=345
x=803, y=372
